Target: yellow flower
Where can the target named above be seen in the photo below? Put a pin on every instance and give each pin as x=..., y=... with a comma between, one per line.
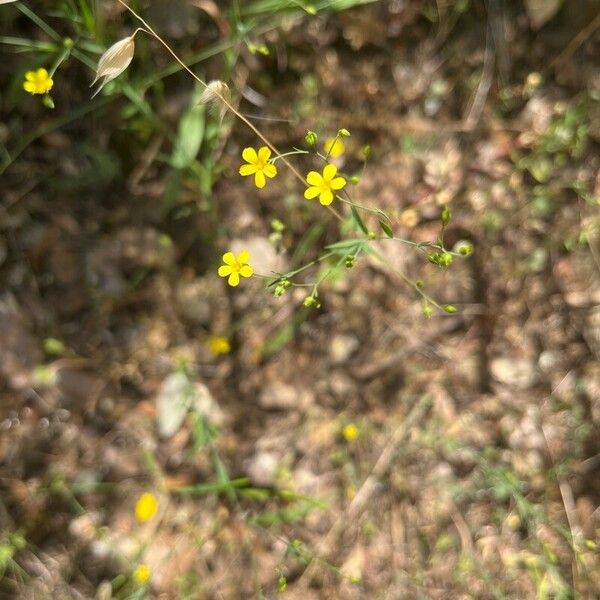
x=142, y=574
x=38, y=82
x=146, y=507
x=323, y=185
x=334, y=147
x=234, y=267
x=350, y=432
x=219, y=345
x=258, y=165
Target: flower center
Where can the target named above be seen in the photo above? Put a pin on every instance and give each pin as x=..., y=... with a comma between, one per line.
x=236, y=266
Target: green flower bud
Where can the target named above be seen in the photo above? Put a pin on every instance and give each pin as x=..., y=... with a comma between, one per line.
x=354, y=180
x=281, y=584
x=47, y=101
x=366, y=151
x=311, y=302
x=277, y=226
x=450, y=308
x=311, y=138
x=446, y=216
x=464, y=248
x=350, y=260
x=427, y=311
x=343, y=133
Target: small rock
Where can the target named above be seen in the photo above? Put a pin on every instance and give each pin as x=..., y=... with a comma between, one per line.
x=176, y=396
x=281, y=396
x=263, y=256
x=518, y=373
x=262, y=468
x=342, y=347
x=198, y=300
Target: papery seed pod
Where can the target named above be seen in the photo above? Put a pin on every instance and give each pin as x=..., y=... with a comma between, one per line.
x=215, y=94
x=114, y=61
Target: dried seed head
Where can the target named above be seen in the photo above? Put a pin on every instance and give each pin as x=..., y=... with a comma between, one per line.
x=215, y=94
x=114, y=61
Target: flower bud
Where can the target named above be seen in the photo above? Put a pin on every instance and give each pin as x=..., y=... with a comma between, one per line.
x=311, y=138
x=463, y=247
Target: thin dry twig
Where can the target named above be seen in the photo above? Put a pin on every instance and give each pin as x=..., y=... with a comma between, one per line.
x=349, y=519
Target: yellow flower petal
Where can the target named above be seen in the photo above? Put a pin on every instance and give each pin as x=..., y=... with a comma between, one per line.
x=30, y=75
x=249, y=155
x=334, y=147
x=329, y=172
x=314, y=178
x=243, y=256
x=219, y=345
x=229, y=258
x=338, y=183
x=311, y=192
x=142, y=574
x=146, y=507
x=247, y=170
x=246, y=271
x=42, y=73
x=326, y=197
x=259, y=180
x=264, y=154
x=29, y=86
x=234, y=279
x=225, y=270
x=270, y=171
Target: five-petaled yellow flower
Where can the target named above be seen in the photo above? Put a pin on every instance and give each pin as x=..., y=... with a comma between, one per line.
x=236, y=266
x=323, y=185
x=146, y=507
x=334, y=147
x=142, y=574
x=258, y=165
x=350, y=432
x=219, y=345
x=38, y=82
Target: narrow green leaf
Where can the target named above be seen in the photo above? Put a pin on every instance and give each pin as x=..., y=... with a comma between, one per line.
x=359, y=222
x=386, y=229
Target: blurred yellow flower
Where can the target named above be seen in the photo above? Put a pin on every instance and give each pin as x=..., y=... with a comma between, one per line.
x=236, y=266
x=38, y=82
x=146, y=507
x=258, y=165
x=142, y=574
x=350, y=432
x=334, y=147
x=323, y=185
x=219, y=345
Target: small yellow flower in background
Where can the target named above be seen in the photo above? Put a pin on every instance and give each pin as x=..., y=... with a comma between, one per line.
x=146, y=507
x=142, y=574
x=334, y=147
x=258, y=165
x=236, y=266
x=323, y=185
x=219, y=345
x=350, y=432
x=38, y=82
